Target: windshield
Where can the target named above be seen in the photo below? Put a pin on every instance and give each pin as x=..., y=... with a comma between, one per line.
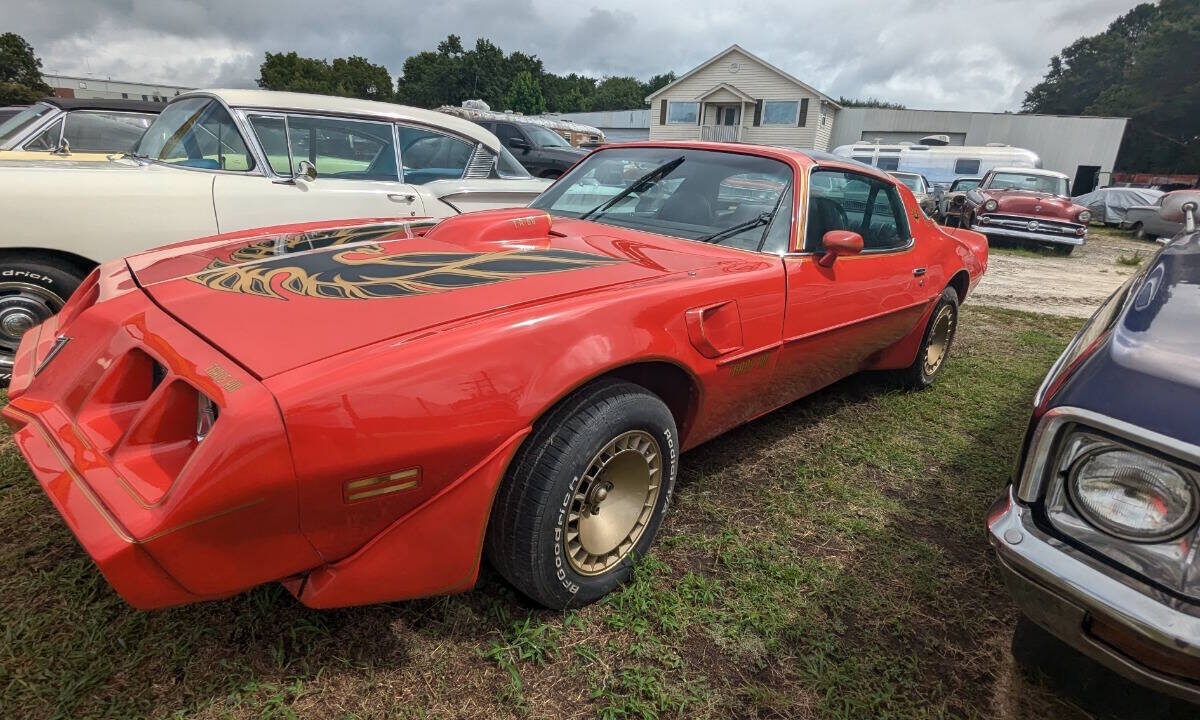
x=694, y=194
x=1029, y=181
x=15, y=124
x=546, y=138
x=912, y=182
x=965, y=184
x=196, y=132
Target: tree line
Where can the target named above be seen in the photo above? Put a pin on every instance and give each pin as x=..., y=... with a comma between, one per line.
x=452, y=73
x=1143, y=67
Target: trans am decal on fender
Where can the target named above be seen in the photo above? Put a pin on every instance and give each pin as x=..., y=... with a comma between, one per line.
x=367, y=272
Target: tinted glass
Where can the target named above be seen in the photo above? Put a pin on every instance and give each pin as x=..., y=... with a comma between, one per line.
x=429, y=156
x=888, y=163
x=966, y=166
x=507, y=166
x=707, y=193
x=196, y=132
x=89, y=131
x=841, y=200
x=545, y=137
x=507, y=132
x=46, y=139
x=343, y=149
x=22, y=120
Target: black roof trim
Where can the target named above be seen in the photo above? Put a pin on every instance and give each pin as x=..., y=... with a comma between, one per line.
x=104, y=104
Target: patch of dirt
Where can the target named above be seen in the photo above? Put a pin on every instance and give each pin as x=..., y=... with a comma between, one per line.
x=1071, y=286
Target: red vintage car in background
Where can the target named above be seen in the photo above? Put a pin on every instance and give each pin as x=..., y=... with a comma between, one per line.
x=362, y=410
x=1027, y=205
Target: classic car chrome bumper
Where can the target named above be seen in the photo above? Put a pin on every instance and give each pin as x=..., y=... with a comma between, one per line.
x=1026, y=235
x=1068, y=597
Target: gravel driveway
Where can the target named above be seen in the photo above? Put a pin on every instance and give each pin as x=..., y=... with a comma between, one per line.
x=1071, y=286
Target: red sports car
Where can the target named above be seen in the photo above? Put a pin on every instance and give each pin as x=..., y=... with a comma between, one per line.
x=363, y=410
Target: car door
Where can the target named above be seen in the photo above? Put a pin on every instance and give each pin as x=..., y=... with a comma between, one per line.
x=838, y=316
x=524, y=149
x=358, y=173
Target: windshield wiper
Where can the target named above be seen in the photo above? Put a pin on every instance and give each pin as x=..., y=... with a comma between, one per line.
x=762, y=219
x=657, y=173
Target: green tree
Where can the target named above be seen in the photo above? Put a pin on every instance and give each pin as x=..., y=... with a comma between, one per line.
x=868, y=102
x=618, y=93
x=1141, y=67
x=657, y=82
x=349, y=77
x=525, y=95
x=20, y=72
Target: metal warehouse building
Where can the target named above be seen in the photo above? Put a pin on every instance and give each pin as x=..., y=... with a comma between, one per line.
x=1082, y=147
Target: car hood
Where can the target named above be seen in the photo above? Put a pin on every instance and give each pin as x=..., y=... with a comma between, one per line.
x=279, y=298
x=1031, y=203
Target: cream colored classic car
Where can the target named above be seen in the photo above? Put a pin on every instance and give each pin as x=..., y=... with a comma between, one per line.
x=220, y=160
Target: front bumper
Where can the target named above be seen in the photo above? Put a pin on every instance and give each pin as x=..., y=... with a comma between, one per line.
x=996, y=231
x=1070, y=598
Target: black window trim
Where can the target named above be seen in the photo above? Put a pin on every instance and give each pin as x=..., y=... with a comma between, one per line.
x=803, y=233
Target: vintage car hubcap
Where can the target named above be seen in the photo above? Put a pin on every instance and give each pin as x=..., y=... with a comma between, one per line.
x=613, y=502
x=23, y=306
x=939, y=339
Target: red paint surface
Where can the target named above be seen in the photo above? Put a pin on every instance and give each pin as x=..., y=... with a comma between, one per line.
x=317, y=393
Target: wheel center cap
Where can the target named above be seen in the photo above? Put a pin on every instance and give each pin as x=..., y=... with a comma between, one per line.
x=16, y=324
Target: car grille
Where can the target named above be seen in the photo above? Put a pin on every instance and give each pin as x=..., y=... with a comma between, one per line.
x=1043, y=226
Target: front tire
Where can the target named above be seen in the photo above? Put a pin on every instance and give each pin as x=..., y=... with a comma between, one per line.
x=31, y=290
x=585, y=495
x=935, y=344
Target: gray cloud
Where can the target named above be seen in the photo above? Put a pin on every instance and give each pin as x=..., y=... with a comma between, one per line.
x=923, y=53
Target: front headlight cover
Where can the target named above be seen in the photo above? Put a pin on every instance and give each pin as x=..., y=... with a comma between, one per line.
x=1085, y=216
x=990, y=205
x=1132, y=495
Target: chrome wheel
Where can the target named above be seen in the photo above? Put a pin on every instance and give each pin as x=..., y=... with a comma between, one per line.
x=613, y=502
x=939, y=339
x=22, y=307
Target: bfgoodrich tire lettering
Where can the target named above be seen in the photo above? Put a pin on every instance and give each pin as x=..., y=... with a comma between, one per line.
x=31, y=290
x=587, y=453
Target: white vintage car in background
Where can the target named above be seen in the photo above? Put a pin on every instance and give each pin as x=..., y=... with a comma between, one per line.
x=222, y=160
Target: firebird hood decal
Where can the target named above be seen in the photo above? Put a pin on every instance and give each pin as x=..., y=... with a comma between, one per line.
x=369, y=272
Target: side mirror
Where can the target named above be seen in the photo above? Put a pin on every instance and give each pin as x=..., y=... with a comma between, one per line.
x=1182, y=206
x=518, y=144
x=305, y=171
x=839, y=242
x=63, y=148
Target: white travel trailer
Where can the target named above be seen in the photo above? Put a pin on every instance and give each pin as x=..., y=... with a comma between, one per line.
x=940, y=163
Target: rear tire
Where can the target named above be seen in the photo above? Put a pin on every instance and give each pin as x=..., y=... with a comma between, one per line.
x=935, y=344
x=31, y=290
x=584, y=495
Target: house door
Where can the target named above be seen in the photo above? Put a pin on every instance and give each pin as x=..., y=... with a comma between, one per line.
x=728, y=115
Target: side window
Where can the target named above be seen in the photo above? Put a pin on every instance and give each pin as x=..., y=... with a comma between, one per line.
x=966, y=166
x=888, y=163
x=272, y=137
x=429, y=156
x=840, y=200
x=779, y=235
x=507, y=132
x=104, y=132
x=46, y=139
x=343, y=149
x=745, y=196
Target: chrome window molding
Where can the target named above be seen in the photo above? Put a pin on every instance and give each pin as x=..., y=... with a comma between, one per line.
x=36, y=129
x=248, y=139
x=1032, y=482
x=244, y=114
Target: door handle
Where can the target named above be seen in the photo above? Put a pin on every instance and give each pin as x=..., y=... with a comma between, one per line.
x=918, y=271
x=402, y=197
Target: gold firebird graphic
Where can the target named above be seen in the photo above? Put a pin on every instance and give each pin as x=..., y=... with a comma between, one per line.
x=368, y=272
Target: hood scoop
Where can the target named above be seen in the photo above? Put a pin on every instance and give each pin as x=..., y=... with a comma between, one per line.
x=519, y=226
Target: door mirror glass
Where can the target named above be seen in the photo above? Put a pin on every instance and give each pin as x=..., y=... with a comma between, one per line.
x=305, y=171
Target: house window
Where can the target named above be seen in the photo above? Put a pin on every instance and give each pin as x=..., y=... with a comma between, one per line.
x=966, y=166
x=683, y=113
x=781, y=112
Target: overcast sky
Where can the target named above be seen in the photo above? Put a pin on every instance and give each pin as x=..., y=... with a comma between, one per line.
x=961, y=54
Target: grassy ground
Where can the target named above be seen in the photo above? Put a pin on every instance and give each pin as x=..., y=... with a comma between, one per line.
x=825, y=561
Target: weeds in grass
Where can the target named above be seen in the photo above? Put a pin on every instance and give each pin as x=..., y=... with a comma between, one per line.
x=824, y=561
x=1130, y=260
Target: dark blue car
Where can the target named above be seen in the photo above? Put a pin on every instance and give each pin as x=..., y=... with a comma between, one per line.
x=1098, y=538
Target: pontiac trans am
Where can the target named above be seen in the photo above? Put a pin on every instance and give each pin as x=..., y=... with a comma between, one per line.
x=363, y=410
